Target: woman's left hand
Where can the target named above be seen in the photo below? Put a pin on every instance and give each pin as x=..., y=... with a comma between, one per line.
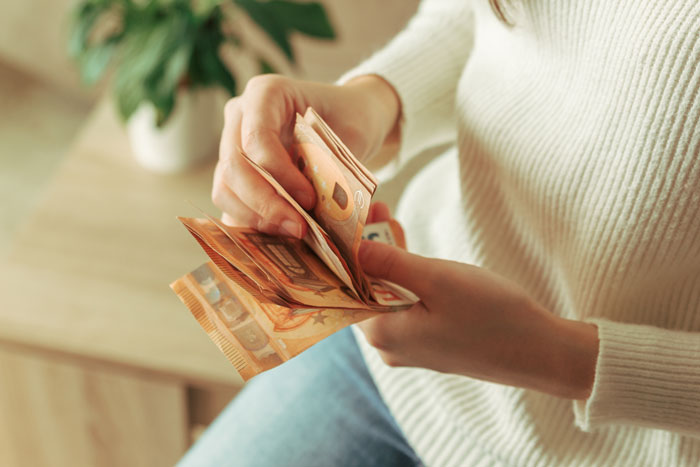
x=475, y=323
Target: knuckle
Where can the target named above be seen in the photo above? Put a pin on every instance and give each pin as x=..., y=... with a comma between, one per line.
x=257, y=146
x=264, y=225
x=217, y=196
x=223, y=181
x=253, y=140
x=266, y=83
x=268, y=209
x=264, y=210
x=231, y=107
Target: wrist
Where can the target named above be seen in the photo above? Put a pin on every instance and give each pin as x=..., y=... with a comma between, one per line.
x=383, y=103
x=381, y=95
x=576, y=356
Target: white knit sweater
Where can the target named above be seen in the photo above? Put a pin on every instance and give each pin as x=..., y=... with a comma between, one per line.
x=576, y=173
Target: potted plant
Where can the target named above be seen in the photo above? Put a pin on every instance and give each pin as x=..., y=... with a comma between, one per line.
x=168, y=69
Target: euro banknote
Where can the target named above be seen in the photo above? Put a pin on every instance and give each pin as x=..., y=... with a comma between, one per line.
x=263, y=299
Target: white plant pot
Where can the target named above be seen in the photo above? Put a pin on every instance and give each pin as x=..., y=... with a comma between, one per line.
x=189, y=136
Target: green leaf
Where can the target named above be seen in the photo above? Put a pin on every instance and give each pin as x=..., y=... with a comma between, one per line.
x=204, y=8
x=161, y=43
x=84, y=19
x=164, y=109
x=94, y=57
x=146, y=48
x=162, y=85
x=208, y=69
x=128, y=98
x=94, y=61
x=264, y=16
x=168, y=76
x=223, y=76
x=307, y=18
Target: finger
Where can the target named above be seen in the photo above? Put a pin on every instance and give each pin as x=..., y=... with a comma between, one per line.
x=262, y=143
x=378, y=212
x=231, y=133
x=273, y=214
x=396, y=265
x=270, y=213
x=237, y=214
x=228, y=220
x=394, y=332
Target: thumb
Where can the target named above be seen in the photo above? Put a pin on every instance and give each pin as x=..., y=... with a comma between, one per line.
x=395, y=265
x=378, y=212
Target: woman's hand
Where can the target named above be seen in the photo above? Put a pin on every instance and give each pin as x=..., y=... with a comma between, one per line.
x=363, y=113
x=478, y=324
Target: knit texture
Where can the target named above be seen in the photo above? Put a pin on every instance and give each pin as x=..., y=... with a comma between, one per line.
x=576, y=174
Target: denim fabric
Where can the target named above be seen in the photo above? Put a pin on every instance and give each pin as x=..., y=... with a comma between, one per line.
x=318, y=409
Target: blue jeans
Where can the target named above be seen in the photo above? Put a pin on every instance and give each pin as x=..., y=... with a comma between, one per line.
x=318, y=409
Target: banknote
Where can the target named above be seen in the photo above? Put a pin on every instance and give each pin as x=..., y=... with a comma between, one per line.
x=263, y=298
x=343, y=192
x=291, y=269
x=254, y=334
x=317, y=238
x=389, y=232
x=287, y=268
x=257, y=331
x=344, y=154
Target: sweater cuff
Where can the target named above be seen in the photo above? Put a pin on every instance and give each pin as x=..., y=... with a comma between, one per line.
x=645, y=376
x=423, y=64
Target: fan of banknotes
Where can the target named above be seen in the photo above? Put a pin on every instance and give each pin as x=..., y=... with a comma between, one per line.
x=264, y=299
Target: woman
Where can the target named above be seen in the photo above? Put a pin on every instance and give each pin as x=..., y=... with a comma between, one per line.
x=567, y=217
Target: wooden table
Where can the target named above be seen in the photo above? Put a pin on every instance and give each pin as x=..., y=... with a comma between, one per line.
x=100, y=364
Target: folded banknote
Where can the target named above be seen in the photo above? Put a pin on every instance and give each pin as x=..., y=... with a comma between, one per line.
x=264, y=299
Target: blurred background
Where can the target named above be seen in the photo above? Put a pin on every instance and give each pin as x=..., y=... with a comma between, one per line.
x=109, y=124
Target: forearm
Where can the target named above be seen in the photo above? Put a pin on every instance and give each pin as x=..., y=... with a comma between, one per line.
x=574, y=359
x=548, y=354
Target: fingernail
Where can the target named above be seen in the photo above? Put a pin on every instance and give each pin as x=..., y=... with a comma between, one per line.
x=304, y=199
x=292, y=228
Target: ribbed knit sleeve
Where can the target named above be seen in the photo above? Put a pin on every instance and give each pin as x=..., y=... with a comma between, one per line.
x=423, y=64
x=645, y=376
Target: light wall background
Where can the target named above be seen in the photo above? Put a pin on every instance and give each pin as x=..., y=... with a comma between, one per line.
x=33, y=38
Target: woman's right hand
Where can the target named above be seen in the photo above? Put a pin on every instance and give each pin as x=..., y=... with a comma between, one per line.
x=363, y=112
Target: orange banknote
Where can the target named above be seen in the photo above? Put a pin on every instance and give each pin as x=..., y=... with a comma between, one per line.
x=263, y=299
x=255, y=334
x=342, y=200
